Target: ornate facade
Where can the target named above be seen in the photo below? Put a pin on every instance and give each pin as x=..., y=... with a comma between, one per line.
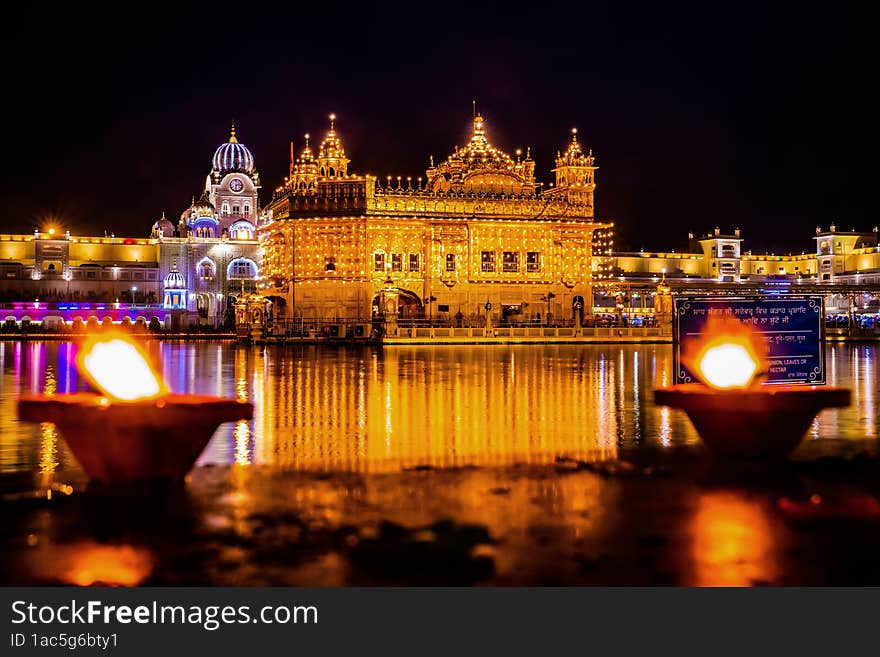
x=477, y=232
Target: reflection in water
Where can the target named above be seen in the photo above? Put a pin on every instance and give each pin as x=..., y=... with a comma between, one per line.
x=88, y=563
x=242, y=442
x=365, y=409
x=48, y=441
x=733, y=541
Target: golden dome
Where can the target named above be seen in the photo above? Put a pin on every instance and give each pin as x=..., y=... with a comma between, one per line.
x=574, y=154
x=331, y=146
x=480, y=167
x=480, y=154
x=331, y=153
x=305, y=169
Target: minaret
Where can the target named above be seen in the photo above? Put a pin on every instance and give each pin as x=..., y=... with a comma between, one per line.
x=575, y=173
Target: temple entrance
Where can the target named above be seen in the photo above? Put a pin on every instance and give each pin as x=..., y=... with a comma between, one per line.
x=396, y=301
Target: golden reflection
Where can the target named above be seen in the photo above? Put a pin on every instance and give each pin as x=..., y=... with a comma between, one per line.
x=89, y=563
x=50, y=386
x=438, y=406
x=242, y=440
x=733, y=541
x=665, y=426
x=361, y=409
x=48, y=448
x=866, y=403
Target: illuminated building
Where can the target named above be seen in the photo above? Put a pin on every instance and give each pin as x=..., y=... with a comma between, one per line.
x=476, y=232
x=332, y=245
x=215, y=243
x=210, y=256
x=842, y=261
x=839, y=257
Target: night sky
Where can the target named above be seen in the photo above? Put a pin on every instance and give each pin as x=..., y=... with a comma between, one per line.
x=698, y=117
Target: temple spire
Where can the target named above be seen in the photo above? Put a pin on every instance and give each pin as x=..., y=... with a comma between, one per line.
x=292, y=159
x=232, y=139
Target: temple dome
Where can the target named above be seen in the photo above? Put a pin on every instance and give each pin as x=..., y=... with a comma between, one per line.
x=331, y=159
x=304, y=172
x=479, y=167
x=201, y=208
x=574, y=154
x=174, y=279
x=480, y=154
x=233, y=156
x=163, y=228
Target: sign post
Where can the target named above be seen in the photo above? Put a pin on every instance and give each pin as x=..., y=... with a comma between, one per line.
x=793, y=326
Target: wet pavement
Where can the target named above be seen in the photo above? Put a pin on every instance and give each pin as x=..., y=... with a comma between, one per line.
x=651, y=517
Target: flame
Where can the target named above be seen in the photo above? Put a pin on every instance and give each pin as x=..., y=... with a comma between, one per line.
x=119, y=368
x=729, y=355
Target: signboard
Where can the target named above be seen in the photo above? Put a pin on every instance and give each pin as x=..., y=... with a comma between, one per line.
x=794, y=327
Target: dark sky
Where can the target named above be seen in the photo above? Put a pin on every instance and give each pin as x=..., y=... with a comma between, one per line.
x=699, y=117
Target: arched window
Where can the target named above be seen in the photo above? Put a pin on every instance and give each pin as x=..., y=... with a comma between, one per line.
x=242, y=268
x=241, y=230
x=206, y=269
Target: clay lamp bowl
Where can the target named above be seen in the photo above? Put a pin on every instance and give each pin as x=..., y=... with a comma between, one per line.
x=737, y=417
x=135, y=430
x=764, y=422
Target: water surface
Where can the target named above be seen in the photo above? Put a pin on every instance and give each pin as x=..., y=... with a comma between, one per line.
x=366, y=409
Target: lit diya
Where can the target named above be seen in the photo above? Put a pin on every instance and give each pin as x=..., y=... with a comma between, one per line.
x=135, y=429
x=735, y=415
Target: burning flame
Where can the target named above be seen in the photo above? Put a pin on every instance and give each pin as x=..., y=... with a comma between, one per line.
x=729, y=355
x=120, y=369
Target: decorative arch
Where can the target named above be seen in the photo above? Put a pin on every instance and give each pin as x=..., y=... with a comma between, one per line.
x=242, y=230
x=204, y=227
x=206, y=269
x=242, y=268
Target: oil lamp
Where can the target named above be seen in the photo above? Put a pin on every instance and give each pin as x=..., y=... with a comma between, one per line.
x=734, y=414
x=134, y=429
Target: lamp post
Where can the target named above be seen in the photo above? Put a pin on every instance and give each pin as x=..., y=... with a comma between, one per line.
x=133, y=293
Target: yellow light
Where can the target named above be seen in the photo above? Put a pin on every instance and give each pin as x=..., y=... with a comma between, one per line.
x=119, y=369
x=727, y=366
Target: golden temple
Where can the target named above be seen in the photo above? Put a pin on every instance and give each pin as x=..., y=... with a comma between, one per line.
x=476, y=235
